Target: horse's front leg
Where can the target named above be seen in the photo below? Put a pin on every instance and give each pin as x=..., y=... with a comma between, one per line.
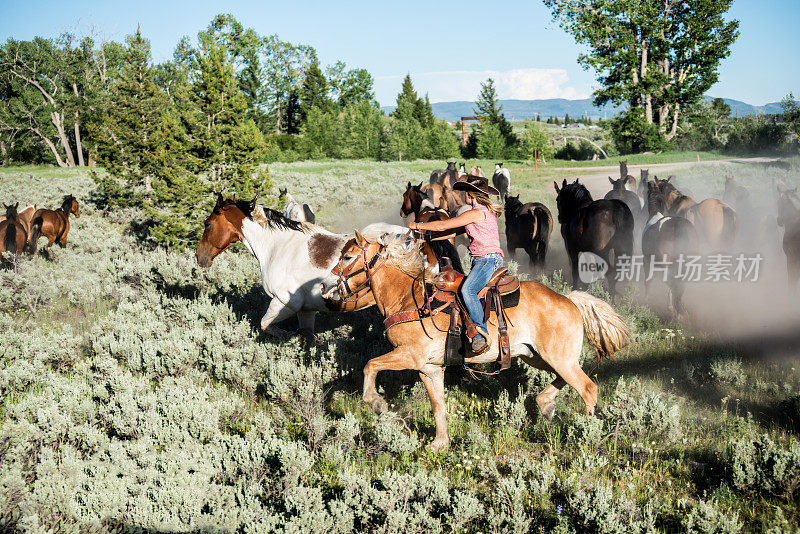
x=433, y=378
x=277, y=312
x=399, y=359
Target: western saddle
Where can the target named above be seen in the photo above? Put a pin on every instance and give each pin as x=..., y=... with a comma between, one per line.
x=500, y=292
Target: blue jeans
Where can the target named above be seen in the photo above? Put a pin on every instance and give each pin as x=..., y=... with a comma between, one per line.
x=482, y=269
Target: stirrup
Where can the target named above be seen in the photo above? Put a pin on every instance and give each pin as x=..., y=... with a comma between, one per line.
x=486, y=338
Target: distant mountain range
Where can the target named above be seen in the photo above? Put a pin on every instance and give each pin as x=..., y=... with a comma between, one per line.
x=558, y=107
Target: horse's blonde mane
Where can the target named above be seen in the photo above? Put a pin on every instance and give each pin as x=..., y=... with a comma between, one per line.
x=405, y=254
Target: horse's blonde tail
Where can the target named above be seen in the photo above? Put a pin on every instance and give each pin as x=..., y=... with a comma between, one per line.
x=605, y=329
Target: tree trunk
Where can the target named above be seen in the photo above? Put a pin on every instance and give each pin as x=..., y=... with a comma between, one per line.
x=648, y=98
x=62, y=135
x=148, y=184
x=674, y=128
x=52, y=148
x=278, y=117
x=78, y=145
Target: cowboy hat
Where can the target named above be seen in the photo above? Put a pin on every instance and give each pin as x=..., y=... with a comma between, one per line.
x=476, y=183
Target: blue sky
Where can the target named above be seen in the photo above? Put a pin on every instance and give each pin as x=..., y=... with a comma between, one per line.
x=448, y=47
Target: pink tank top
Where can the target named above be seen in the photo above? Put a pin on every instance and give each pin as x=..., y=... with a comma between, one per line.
x=484, y=238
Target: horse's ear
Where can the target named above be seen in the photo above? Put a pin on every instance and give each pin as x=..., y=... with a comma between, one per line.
x=408, y=186
x=555, y=184
x=360, y=241
x=253, y=203
x=611, y=180
x=668, y=179
x=17, y=204
x=420, y=185
x=220, y=200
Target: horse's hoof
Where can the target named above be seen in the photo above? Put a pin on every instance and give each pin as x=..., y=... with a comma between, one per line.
x=548, y=410
x=439, y=445
x=379, y=405
x=306, y=335
x=275, y=331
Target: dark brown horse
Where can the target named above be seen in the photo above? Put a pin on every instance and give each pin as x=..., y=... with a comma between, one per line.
x=736, y=196
x=665, y=239
x=603, y=227
x=789, y=219
x=422, y=207
x=53, y=224
x=528, y=226
x=619, y=191
x=12, y=233
x=714, y=220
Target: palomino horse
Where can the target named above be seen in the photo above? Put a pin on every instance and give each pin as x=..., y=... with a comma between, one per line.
x=546, y=329
x=664, y=239
x=714, y=220
x=53, y=224
x=628, y=181
x=424, y=210
x=476, y=171
x=789, y=219
x=603, y=227
x=294, y=257
x=501, y=180
x=631, y=199
x=25, y=215
x=528, y=226
x=295, y=210
x=13, y=235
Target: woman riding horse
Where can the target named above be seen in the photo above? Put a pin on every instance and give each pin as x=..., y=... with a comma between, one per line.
x=480, y=225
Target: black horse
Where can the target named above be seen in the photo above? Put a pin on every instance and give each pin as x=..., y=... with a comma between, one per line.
x=528, y=226
x=603, y=227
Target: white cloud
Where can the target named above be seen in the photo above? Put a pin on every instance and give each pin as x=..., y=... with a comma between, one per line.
x=517, y=84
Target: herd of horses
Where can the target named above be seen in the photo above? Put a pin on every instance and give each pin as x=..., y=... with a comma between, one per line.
x=21, y=230
x=306, y=269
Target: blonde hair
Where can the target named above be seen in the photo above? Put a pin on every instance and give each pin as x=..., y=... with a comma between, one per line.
x=483, y=198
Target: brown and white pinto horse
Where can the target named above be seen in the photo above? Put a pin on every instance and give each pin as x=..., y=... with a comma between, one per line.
x=423, y=209
x=13, y=235
x=546, y=329
x=53, y=224
x=714, y=220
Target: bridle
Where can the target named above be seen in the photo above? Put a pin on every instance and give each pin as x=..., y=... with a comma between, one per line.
x=371, y=266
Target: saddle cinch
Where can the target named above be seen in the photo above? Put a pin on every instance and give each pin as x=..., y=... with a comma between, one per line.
x=500, y=292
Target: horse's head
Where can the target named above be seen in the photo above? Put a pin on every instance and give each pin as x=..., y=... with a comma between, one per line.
x=282, y=193
x=570, y=198
x=497, y=166
x=412, y=200
x=11, y=212
x=223, y=228
x=618, y=184
x=70, y=205
x=512, y=203
x=350, y=276
x=451, y=165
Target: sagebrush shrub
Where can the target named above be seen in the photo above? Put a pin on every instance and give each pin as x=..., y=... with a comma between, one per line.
x=762, y=465
x=706, y=518
x=640, y=413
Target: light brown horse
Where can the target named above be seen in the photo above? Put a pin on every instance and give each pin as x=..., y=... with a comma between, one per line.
x=24, y=215
x=13, y=235
x=714, y=220
x=546, y=329
x=789, y=219
x=53, y=224
x=476, y=171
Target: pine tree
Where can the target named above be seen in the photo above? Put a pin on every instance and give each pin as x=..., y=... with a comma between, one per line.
x=229, y=144
x=127, y=141
x=407, y=92
x=490, y=109
x=313, y=92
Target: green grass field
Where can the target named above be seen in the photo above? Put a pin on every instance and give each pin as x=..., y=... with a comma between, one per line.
x=139, y=395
